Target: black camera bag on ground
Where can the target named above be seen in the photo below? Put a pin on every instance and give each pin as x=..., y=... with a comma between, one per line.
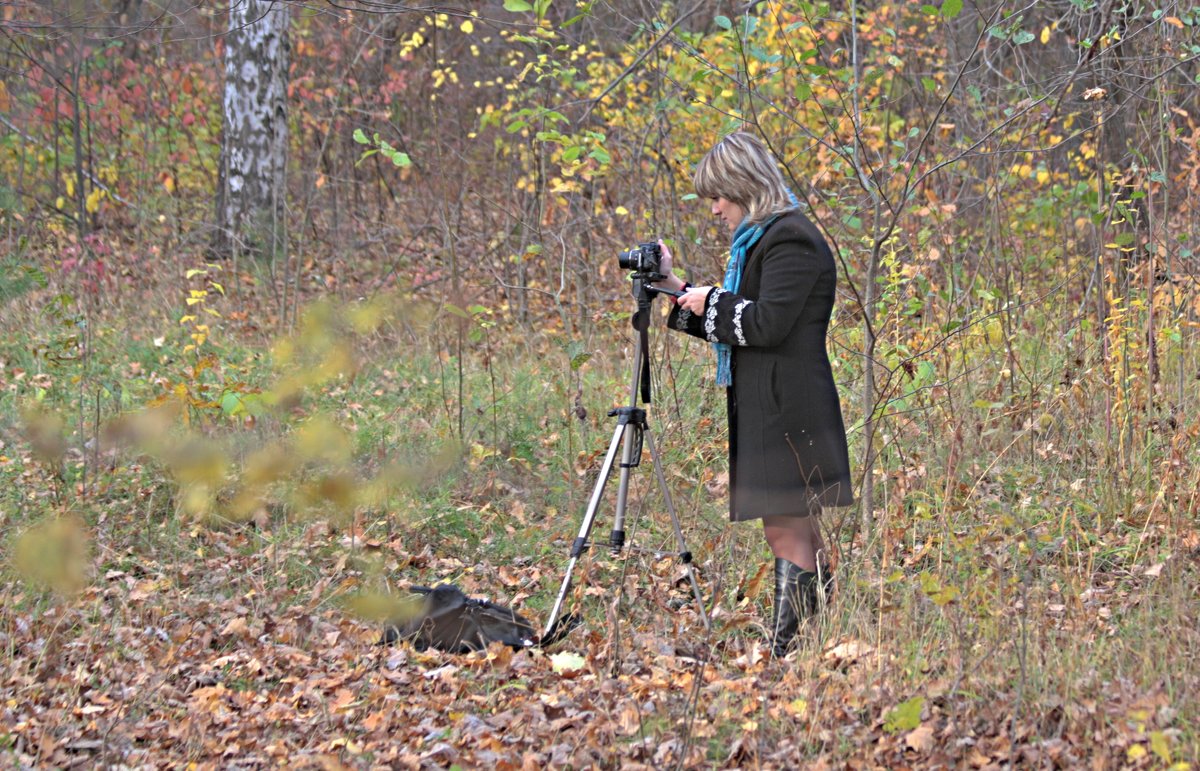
x=450, y=621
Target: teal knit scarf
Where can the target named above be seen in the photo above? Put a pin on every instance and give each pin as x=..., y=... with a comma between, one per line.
x=744, y=237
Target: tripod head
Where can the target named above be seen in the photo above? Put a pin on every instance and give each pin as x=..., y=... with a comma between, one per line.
x=645, y=291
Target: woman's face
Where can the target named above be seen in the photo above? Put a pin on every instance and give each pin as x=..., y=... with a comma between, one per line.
x=729, y=212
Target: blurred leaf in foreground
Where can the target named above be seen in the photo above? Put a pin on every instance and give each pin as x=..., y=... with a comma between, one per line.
x=54, y=554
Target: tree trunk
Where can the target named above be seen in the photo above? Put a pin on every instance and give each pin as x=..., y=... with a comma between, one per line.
x=252, y=193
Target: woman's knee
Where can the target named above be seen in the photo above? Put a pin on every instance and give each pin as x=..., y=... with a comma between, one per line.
x=783, y=529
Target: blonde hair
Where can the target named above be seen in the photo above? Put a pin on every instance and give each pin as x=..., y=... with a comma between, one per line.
x=741, y=169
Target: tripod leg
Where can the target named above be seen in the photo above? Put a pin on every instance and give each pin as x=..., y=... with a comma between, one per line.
x=685, y=555
x=630, y=457
x=580, y=544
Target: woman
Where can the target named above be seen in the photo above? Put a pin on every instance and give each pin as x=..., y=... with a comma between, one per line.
x=768, y=322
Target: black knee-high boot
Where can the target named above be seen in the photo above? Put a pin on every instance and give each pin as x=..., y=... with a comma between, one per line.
x=795, y=600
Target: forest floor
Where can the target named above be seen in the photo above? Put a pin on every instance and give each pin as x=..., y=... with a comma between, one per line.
x=141, y=631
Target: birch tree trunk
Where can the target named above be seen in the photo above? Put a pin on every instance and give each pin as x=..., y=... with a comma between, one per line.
x=252, y=187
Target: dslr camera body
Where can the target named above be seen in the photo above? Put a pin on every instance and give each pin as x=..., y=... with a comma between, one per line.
x=643, y=259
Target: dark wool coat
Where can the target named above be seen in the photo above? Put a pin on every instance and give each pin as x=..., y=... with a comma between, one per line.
x=787, y=442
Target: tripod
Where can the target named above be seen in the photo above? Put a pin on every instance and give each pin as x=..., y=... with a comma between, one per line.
x=630, y=432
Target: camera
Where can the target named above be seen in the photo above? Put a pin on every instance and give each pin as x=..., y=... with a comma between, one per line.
x=644, y=258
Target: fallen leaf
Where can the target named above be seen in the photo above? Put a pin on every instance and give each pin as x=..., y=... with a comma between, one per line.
x=237, y=628
x=567, y=664
x=850, y=650
x=920, y=738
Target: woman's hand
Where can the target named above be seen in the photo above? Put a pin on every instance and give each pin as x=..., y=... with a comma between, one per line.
x=694, y=299
x=665, y=265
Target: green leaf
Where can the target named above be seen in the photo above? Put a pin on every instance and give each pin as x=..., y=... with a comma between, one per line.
x=517, y=6
x=401, y=159
x=231, y=404
x=930, y=85
x=1124, y=239
x=578, y=355
x=1023, y=37
x=573, y=152
x=360, y=136
x=951, y=8
x=457, y=311
x=723, y=22
x=905, y=716
x=601, y=155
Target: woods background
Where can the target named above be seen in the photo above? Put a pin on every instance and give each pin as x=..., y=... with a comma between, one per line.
x=308, y=302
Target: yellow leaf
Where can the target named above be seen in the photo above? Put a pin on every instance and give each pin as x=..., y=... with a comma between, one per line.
x=467, y=27
x=1174, y=22
x=1136, y=752
x=1045, y=35
x=1158, y=743
x=54, y=553
x=567, y=664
